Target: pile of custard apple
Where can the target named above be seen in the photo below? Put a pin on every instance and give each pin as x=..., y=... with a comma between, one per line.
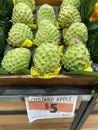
x=53, y=29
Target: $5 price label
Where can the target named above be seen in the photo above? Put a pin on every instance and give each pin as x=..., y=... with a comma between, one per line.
x=50, y=107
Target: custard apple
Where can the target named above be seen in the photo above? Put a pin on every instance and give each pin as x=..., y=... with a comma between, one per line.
x=16, y=59
x=22, y=14
x=30, y=3
x=76, y=30
x=46, y=11
x=47, y=32
x=68, y=15
x=75, y=3
x=76, y=57
x=18, y=34
x=47, y=58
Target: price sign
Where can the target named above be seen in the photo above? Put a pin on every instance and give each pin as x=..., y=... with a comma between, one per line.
x=41, y=107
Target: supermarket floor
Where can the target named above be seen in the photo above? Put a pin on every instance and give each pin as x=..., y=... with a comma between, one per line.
x=20, y=121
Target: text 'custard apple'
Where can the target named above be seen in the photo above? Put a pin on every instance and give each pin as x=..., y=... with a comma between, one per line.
x=47, y=32
x=76, y=30
x=76, y=57
x=75, y=3
x=22, y=14
x=68, y=15
x=16, y=59
x=18, y=34
x=47, y=58
x=30, y=3
x=46, y=11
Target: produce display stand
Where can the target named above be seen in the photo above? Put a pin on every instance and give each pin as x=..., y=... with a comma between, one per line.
x=89, y=110
x=16, y=87
x=17, y=94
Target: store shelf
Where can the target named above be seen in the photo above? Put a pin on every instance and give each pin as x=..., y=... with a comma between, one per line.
x=14, y=95
x=17, y=93
x=42, y=90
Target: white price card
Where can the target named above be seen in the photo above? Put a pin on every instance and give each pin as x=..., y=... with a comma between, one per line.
x=42, y=107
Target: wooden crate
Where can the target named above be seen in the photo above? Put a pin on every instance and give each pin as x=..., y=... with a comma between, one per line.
x=65, y=80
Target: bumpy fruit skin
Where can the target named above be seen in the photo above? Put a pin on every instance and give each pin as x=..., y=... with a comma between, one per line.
x=76, y=30
x=22, y=14
x=68, y=15
x=16, y=59
x=75, y=3
x=30, y=3
x=46, y=11
x=76, y=57
x=18, y=34
x=47, y=58
x=47, y=32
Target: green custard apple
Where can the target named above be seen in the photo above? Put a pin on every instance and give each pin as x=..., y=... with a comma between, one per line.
x=46, y=11
x=47, y=58
x=22, y=14
x=30, y=3
x=47, y=32
x=76, y=57
x=68, y=15
x=75, y=3
x=18, y=34
x=76, y=30
x=16, y=59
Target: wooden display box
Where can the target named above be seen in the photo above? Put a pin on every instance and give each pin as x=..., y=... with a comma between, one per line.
x=13, y=121
x=65, y=80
